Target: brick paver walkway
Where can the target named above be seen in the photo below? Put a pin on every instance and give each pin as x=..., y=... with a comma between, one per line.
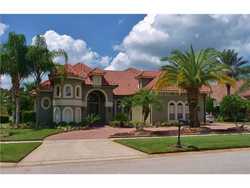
x=106, y=132
x=95, y=133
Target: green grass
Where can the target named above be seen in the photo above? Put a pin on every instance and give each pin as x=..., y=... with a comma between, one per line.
x=26, y=134
x=16, y=151
x=190, y=143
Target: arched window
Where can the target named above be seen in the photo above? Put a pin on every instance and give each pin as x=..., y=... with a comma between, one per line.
x=57, y=115
x=67, y=114
x=171, y=111
x=180, y=111
x=68, y=91
x=78, y=115
x=78, y=92
x=57, y=91
x=186, y=111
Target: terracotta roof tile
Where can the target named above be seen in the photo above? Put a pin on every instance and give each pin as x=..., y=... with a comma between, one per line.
x=126, y=81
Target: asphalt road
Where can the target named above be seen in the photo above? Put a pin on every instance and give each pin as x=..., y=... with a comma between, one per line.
x=210, y=162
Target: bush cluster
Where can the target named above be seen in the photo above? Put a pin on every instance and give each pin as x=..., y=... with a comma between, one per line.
x=28, y=116
x=4, y=119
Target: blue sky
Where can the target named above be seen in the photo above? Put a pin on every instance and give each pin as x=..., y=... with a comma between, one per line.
x=117, y=42
x=101, y=32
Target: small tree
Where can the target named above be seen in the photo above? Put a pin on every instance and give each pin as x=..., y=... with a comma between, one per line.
x=145, y=99
x=126, y=104
x=210, y=105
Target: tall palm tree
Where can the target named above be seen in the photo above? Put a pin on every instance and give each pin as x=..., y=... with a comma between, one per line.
x=14, y=64
x=146, y=99
x=190, y=71
x=239, y=67
x=41, y=63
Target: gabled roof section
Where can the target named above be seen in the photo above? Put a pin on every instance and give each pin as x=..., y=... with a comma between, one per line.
x=82, y=69
x=97, y=72
x=147, y=74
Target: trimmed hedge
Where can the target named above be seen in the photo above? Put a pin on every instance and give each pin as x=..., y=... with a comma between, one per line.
x=28, y=116
x=4, y=119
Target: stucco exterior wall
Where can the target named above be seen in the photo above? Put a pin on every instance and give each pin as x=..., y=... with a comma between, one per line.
x=44, y=116
x=162, y=114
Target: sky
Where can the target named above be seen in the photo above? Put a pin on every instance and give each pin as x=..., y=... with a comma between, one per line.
x=116, y=42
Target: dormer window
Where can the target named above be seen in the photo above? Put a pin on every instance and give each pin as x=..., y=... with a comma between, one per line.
x=96, y=76
x=97, y=80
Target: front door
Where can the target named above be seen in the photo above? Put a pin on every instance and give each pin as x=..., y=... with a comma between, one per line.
x=96, y=104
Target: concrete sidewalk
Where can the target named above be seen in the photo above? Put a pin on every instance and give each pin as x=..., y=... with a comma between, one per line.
x=68, y=151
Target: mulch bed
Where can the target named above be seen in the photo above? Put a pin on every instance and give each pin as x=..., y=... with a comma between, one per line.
x=184, y=131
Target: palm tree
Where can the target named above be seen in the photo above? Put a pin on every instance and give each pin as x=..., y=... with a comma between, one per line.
x=239, y=67
x=41, y=59
x=41, y=63
x=14, y=64
x=146, y=99
x=190, y=71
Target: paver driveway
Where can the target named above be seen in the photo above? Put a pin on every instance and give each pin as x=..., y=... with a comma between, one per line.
x=62, y=151
x=96, y=133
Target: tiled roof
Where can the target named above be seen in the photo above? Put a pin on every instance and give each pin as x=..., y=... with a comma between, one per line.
x=126, y=81
x=96, y=71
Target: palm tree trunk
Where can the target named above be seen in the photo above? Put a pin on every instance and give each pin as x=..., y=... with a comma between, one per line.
x=228, y=89
x=17, y=101
x=13, y=109
x=193, y=101
x=17, y=109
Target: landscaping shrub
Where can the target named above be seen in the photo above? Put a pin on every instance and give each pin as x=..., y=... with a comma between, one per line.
x=136, y=123
x=233, y=108
x=122, y=117
x=91, y=119
x=4, y=119
x=28, y=116
x=114, y=123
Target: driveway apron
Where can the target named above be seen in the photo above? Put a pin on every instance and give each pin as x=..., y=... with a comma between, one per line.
x=63, y=151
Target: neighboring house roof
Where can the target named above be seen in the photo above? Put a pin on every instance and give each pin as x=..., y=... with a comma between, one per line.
x=126, y=82
x=220, y=91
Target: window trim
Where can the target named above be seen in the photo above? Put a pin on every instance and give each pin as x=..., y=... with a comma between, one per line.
x=76, y=109
x=42, y=103
x=54, y=114
x=64, y=91
x=80, y=92
x=55, y=91
x=175, y=111
x=64, y=115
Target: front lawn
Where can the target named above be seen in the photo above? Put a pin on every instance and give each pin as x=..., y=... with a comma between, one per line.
x=26, y=134
x=190, y=143
x=15, y=152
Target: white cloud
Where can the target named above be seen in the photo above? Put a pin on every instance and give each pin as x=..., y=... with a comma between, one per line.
x=77, y=49
x=5, y=82
x=157, y=35
x=3, y=28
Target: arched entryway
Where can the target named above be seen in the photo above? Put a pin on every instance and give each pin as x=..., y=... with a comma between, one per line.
x=96, y=104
